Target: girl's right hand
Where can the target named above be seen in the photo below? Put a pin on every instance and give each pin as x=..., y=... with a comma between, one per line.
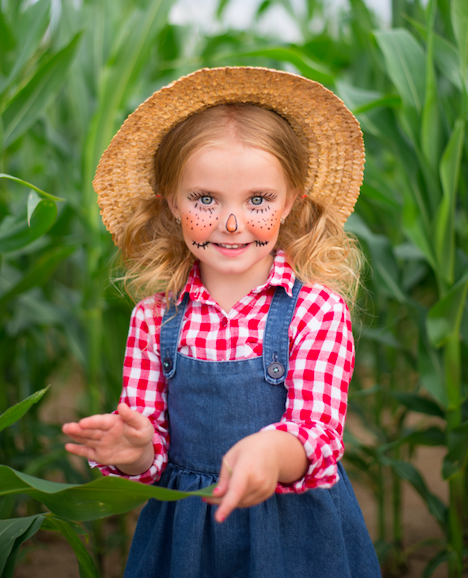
x=123, y=440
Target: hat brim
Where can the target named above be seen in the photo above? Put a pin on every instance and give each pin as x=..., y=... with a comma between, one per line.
x=328, y=130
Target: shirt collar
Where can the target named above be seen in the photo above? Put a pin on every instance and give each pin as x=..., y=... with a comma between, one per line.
x=281, y=275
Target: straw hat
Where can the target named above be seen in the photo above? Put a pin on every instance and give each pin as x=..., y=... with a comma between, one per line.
x=322, y=122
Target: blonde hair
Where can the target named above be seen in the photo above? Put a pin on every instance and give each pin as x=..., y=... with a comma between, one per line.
x=154, y=252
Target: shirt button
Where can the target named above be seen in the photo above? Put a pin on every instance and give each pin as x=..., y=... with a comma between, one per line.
x=224, y=322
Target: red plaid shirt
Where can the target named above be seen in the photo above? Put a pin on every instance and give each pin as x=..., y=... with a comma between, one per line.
x=320, y=365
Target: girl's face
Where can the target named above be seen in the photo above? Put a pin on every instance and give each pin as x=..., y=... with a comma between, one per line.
x=231, y=200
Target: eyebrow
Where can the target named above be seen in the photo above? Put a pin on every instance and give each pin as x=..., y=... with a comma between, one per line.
x=252, y=192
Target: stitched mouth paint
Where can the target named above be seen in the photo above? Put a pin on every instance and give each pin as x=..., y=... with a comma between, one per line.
x=200, y=245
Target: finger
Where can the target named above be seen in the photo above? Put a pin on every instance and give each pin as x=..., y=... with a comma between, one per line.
x=82, y=451
x=224, y=478
x=232, y=499
x=99, y=421
x=132, y=418
x=88, y=437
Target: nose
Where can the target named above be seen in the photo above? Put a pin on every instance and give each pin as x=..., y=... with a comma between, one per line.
x=231, y=223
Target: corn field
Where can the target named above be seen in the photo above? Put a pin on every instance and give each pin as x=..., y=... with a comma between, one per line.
x=70, y=73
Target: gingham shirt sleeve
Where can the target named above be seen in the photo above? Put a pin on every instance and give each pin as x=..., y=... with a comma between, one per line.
x=144, y=387
x=320, y=368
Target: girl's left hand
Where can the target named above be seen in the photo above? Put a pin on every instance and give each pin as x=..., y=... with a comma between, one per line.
x=252, y=468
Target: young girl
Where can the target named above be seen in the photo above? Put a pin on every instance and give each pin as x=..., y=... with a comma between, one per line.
x=227, y=192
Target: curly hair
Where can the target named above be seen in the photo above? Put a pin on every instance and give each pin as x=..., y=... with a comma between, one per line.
x=154, y=252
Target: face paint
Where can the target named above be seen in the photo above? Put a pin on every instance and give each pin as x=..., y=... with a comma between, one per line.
x=230, y=200
x=231, y=223
x=199, y=222
x=265, y=225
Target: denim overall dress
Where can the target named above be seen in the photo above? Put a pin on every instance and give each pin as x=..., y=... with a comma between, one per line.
x=212, y=405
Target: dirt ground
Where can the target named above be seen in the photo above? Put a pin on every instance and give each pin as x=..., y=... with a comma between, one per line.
x=48, y=555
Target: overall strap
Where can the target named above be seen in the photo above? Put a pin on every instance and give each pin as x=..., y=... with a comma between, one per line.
x=276, y=338
x=170, y=332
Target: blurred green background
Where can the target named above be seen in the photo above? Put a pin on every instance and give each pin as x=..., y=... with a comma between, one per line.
x=70, y=73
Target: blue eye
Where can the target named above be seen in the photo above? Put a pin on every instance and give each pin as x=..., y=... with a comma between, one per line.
x=206, y=200
x=257, y=201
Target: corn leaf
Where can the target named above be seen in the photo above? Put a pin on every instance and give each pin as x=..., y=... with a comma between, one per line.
x=444, y=234
x=38, y=94
x=418, y=403
x=39, y=273
x=430, y=369
x=70, y=531
x=7, y=39
x=457, y=457
x=16, y=412
x=406, y=471
x=434, y=563
x=34, y=225
x=304, y=64
x=30, y=30
x=405, y=62
x=383, y=263
x=41, y=193
x=430, y=124
x=459, y=13
x=432, y=436
x=444, y=318
x=13, y=533
x=96, y=499
x=117, y=78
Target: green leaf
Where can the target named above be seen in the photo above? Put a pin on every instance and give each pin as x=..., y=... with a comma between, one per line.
x=13, y=414
x=430, y=368
x=96, y=499
x=41, y=193
x=430, y=125
x=221, y=8
x=445, y=55
x=444, y=233
x=7, y=40
x=360, y=100
x=406, y=471
x=456, y=459
x=432, y=436
x=33, y=200
x=13, y=532
x=117, y=79
x=459, y=13
x=31, y=28
x=304, y=64
x=70, y=532
x=381, y=335
x=405, y=62
x=29, y=229
x=383, y=261
x=444, y=318
x=418, y=403
x=434, y=563
x=38, y=94
x=39, y=273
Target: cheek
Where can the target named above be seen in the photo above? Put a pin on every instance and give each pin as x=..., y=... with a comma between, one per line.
x=198, y=227
x=265, y=226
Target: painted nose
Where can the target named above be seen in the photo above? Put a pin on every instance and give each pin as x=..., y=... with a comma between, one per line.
x=231, y=223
